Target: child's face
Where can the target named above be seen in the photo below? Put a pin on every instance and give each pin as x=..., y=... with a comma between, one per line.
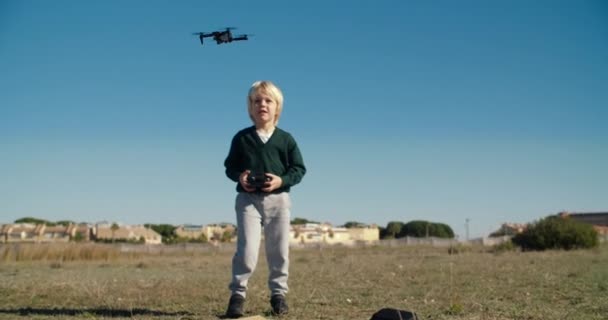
x=264, y=108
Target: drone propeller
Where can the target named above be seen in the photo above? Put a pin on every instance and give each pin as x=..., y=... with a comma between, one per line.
x=230, y=28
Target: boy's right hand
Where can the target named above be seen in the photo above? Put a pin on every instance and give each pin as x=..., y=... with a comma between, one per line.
x=244, y=183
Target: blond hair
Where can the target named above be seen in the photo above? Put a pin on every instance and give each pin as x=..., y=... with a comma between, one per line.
x=270, y=89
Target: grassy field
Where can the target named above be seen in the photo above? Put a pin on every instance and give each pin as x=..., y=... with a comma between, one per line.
x=328, y=283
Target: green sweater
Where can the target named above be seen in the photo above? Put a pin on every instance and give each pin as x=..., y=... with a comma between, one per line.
x=279, y=155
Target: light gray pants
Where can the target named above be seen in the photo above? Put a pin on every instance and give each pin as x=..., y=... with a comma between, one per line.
x=254, y=210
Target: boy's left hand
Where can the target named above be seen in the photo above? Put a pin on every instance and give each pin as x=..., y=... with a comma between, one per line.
x=274, y=183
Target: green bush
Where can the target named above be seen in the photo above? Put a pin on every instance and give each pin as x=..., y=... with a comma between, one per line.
x=557, y=233
x=455, y=249
x=166, y=231
x=79, y=237
x=504, y=247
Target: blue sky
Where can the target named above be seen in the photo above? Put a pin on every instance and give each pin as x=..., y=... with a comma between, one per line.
x=434, y=110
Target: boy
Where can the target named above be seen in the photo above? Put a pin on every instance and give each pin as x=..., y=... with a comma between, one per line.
x=265, y=162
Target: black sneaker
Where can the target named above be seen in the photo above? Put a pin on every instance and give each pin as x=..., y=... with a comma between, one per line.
x=279, y=305
x=235, y=306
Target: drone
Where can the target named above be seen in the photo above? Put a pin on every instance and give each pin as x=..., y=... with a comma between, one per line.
x=222, y=36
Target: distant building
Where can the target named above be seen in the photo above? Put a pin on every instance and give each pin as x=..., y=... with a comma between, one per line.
x=370, y=233
x=20, y=232
x=599, y=220
x=136, y=233
x=54, y=234
x=215, y=232
x=80, y=232
x=509, y=229
x=326, y=233
x=336, y=235
x=190, y=231
x=307, y=233
x=37, y=233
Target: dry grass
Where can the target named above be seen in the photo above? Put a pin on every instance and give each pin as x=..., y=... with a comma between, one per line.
x=58, y=252
x=332, y=283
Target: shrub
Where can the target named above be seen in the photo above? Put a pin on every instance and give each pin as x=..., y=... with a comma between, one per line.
x=455, y=309
x=459, y=248
x=201, y=239
x=504, y=247
x=454, y=249
x=557, y=233
x=79, y=237
x=227, y=236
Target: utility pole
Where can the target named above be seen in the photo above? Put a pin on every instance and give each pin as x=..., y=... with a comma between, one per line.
x=466, y=225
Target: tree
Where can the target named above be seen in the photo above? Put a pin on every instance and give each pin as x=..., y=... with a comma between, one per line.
x=441, y=230
x=167, y=231
x=114, y=227
x=65, y=223
x=393, y=228
x=382, y=232
x=421, y=228
x=415, y=228
x=78, y=237
x=34, y=221
x=301, y=221
x=354, y=224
